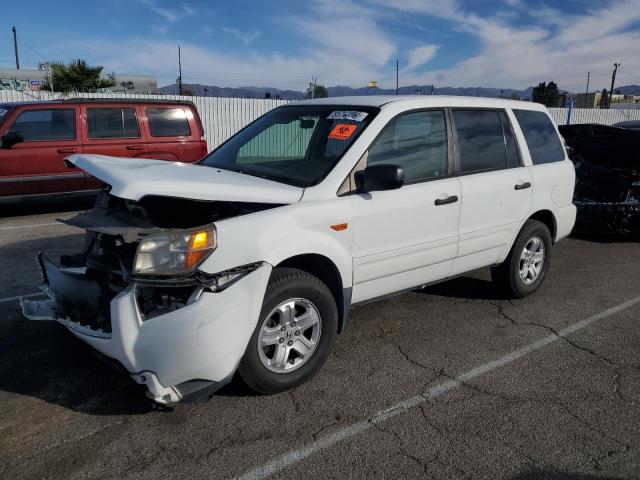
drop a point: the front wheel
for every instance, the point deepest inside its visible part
(527, 264)
(296, 329)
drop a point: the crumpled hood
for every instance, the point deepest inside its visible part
(134, 178)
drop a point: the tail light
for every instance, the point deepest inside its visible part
(203, 148)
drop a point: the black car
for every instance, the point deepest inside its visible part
(607, 162)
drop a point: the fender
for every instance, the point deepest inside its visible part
(268, 236)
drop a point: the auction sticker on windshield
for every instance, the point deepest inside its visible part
(342, 131)
(347, 115)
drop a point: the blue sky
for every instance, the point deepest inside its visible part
(282, 43)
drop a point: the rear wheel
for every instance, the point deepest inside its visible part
(526, 266)
(297, 327)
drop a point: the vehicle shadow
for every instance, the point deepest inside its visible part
(44, 361)
(465, 287)
(42, 206)
(539, 474)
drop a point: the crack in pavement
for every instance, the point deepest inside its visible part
(611, 364)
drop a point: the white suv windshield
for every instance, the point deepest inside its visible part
(296, 145)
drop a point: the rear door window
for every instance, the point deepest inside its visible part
(417, 142)
(541, 136)
(168, 122)
(46, 124)
(112, 123)
(481, 140)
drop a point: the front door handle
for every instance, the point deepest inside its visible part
(67, 150)
(134, 147)
(522, 186)
(446, 201)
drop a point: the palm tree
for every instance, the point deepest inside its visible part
(76, 76)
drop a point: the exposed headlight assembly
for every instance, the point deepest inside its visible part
(174, 253)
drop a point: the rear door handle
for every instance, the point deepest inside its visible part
(134, 147)
(67, 150)
(446, 201)
(522, 186)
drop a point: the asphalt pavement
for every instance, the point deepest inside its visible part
(453, 381)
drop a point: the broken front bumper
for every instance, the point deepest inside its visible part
(177, 355)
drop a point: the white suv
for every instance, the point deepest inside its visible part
(250, 260)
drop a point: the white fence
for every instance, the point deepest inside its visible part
(222, 117)
(594, 115)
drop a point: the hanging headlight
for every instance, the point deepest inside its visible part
(174, 253)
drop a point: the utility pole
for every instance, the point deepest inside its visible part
(586, 93)
(396, 76)
(312, 87)
(613, 81)
(15, 47)
(179, 72)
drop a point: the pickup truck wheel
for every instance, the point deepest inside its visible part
(527, 264)
(296, 329)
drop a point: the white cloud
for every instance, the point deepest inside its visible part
(348, 43)
(421, 55)
(519, 57)
(172, 15)
(245, 37)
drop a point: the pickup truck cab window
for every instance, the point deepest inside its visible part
(417, 142)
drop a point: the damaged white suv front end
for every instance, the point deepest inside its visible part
(140, 292)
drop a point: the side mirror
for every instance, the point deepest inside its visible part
(11, 138)
(379, 177)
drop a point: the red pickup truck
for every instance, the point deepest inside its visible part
(37, 136)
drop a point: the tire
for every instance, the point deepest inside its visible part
(508, 275)
(291, 295)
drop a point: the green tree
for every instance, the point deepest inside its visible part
(76, 76)
(318, 91)
(546, 93)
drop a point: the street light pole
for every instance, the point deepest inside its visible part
(586, 93)
(15, 47)
(613, 81)
(179, 72)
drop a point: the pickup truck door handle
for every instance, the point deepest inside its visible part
(134, 147)
(446, 201)
(522, 186)
(67, 150)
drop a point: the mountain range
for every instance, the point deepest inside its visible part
(342, 91)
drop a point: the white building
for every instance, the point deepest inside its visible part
(26, 80)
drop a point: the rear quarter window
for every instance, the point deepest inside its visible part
(541, 136)
(168, 122)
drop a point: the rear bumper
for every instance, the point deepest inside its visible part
(179, 354)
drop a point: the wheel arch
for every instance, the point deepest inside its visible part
(549, 219)
(326, 270)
